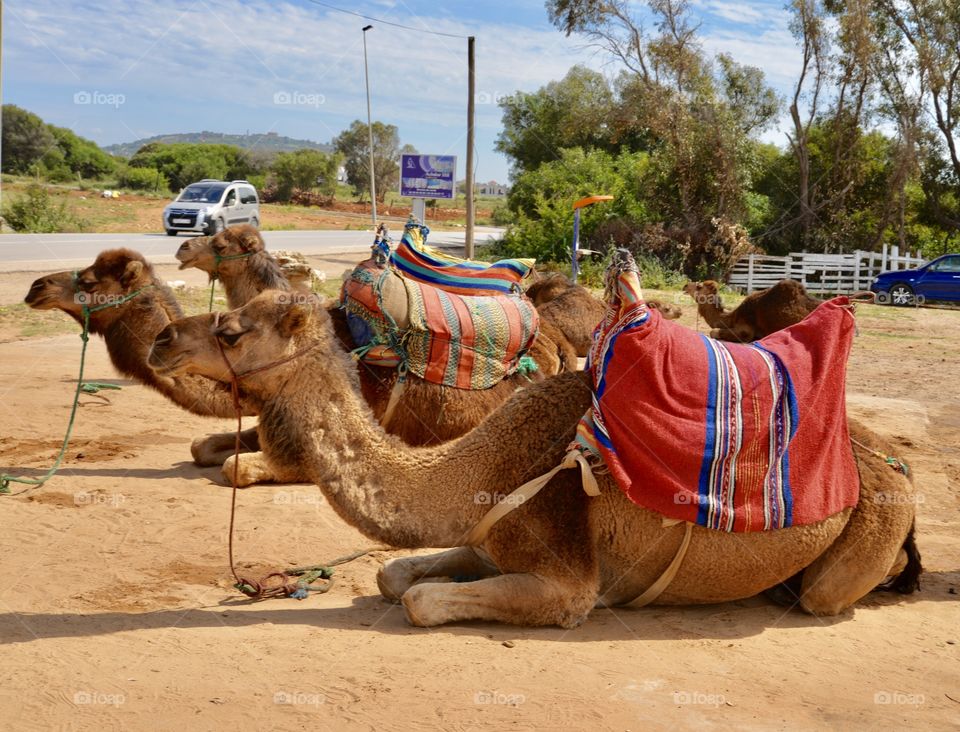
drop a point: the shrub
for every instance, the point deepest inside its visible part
(36, 212)
(142, 179)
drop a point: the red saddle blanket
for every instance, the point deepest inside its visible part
(736, 437)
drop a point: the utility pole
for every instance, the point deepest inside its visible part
(471, 91)
(373, 182)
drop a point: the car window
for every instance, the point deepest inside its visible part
(231, 198)
(202, 192)
(947, 264)
(248, 195)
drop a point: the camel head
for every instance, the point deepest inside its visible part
(548, 287)
(236, 241)
(55, 292)
(706, 292)
(197, 252)
(273, 326)
(114, 275)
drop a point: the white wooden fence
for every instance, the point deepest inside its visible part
(823, 273)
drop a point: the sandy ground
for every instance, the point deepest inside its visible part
(116, 610)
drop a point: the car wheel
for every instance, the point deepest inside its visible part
(255, 222)
(172, 232)
(901, 295)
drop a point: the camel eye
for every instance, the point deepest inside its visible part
(229, 339)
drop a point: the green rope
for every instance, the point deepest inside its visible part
(213, 286)
(91, 387)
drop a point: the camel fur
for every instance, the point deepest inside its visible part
(760, 314)
(129, 328)
(554, 558)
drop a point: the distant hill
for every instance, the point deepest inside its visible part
(267, 142)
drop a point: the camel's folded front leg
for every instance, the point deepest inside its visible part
(399, 575)
(253, 468)
(520, 599)
(214, 449)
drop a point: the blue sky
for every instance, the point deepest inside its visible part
(123, 71)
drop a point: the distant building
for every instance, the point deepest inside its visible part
(492, 188)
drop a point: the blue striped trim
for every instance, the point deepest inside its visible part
(703, 487)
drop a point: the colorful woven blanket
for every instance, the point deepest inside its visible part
(728, 436)
(464, 342)
(417, 261)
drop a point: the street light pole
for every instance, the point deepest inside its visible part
(366, 76)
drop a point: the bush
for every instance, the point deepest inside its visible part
(142, 179)
(35, 212)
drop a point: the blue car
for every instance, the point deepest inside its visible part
(936, 280)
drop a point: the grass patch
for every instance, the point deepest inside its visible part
(19, 321)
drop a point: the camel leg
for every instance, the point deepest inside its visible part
(253, 468)
(519, 599)
(399, 575)
(214, 449)
(870, 546)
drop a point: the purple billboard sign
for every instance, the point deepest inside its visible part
(428, 176)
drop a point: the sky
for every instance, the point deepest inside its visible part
(119, 72)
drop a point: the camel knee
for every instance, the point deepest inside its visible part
(206, 452)
(394, 579)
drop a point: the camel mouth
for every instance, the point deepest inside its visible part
(40, 299)
(166, 364)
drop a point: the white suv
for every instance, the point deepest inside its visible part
(212, 205)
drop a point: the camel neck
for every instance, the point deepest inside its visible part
(403, 496)
(244, 279)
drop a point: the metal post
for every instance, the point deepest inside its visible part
(574, 269)
(373, 182)
(471, 92)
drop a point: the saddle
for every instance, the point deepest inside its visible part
(416, 260)
(734, 437)
(467, 342)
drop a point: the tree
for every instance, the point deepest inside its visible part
(353, 144)
(301, 170)
(83, 157)
(572, 112)
(25, 139)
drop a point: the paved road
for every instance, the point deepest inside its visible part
(49, 252)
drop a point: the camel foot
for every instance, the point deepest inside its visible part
(214, 449)
(251, 469)
(396, 576)
(518, 599)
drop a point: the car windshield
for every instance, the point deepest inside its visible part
(202, 192)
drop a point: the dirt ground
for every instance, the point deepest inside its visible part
(116, 611)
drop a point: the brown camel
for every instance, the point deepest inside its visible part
(129, 328)
(760, 314)
(559, 555)
(426, 414)
(556, 286)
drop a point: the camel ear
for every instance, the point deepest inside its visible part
(131, 272)
(294, 320)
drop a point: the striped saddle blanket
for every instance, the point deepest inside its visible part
(417, 261)
(444, 338)
(736, 437)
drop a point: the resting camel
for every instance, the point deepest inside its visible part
(555, 285)
(129, 328)
(557, 556)
(760, 314)
(426, 414)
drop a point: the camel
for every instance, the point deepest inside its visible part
(554, 286)
(760, 314)
(426, 414)
(129, 328)
(554, 558)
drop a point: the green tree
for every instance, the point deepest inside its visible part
(25, 139)
(572, 112)
(83, 157)
(301, 171)
(353, 144)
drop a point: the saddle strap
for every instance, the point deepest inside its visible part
(656, 589)
(528, 490)
(395, 393)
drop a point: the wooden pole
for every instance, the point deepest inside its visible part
(471, 94)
